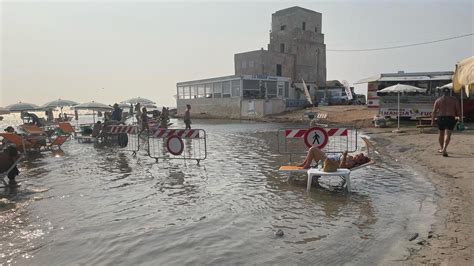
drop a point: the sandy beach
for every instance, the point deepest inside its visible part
(450, 240)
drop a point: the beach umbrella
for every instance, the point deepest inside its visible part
(4, 111)
(20, 107)
(401, 88)
(464, 77)
(58, 103)
(94, 106)
(448, 86)
(140, 100)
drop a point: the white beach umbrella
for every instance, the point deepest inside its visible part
(4, 111)
(95, 106)
(400, 88)
(20, 107)
(59, 103)
(140, 100)
(448, 86)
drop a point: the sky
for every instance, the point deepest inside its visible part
(109, 51)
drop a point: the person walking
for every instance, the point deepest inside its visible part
(445, 108)
(187, 117)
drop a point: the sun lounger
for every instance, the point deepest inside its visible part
(33, 130)
(20, 142)
(57, 142)
(66, 128)
(311, 172)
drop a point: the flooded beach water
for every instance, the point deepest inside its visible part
(96, 205)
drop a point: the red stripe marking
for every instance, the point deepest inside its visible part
(300, 133)
(332, 131)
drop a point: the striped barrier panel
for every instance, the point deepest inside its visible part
(292, 140)
(119, 129)
(299, 133)
(182, 133)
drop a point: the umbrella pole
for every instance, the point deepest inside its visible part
(398, 113)
(462, 109)
(93, 116)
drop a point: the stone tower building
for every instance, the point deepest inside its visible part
(296, 49)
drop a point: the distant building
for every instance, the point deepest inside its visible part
(296, 49)
(266, 81)
(427, 80)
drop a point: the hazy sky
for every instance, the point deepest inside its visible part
(108, 51)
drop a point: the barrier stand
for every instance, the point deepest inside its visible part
(127, 137)
(185, 144)
(291, 141)
(296, 141)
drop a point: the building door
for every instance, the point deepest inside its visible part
(268, 107)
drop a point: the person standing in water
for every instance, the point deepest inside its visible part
(445, 108)
(187, 117)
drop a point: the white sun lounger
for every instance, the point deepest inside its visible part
(344, 173)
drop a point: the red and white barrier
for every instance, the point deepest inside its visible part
(118, 129)
(182, 133)
(299, 133)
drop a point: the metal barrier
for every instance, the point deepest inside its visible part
(127, 137)
(292, 140)
(187, 144)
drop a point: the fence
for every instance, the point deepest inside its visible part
(292, 140)
(186, 144)
(125, 136)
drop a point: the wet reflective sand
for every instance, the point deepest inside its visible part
(96, 205)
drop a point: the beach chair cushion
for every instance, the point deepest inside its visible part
(32, 129)
(66, 127)
(17, 140)
(58, 141)
(292, 168)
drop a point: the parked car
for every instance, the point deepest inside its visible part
(360, 99)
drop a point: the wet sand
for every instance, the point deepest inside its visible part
(450, 240)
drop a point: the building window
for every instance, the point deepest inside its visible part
(226, 89)
(278, 70)
(251, 64)
(201, 91)
(282, 47)
(282, 27)
(271, 89)
(194, 92)
(287, 89)
(280, 89)
(217, 90)
(244, 64)
(208, 88)
(304, 25)
(235, 88)
(315, 29)
(251, 89)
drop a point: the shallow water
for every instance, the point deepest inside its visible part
(104, 206)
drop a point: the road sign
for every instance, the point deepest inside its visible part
(175, 145)
(316, 137)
